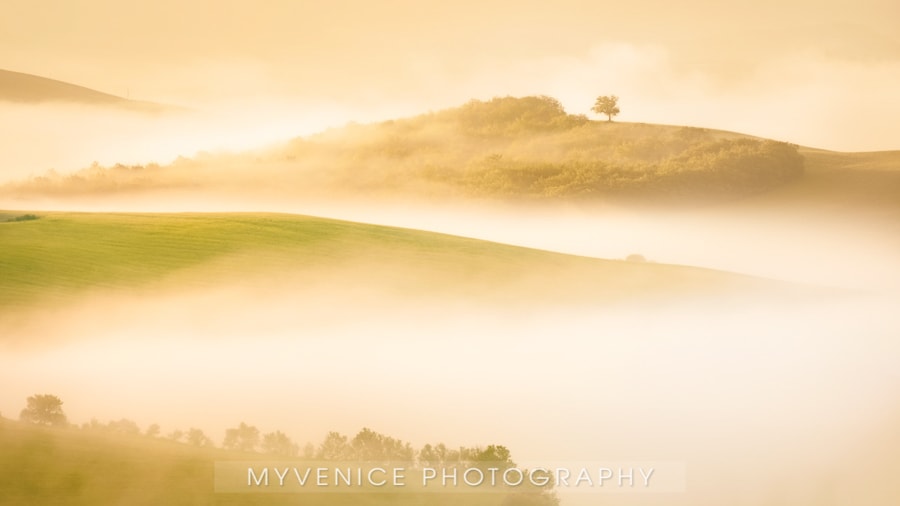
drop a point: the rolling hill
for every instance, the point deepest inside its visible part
(61, 257)
(41, 465)
(67, 466)
(512, 150)
(507, 149)
(849, 181)
(24, 88)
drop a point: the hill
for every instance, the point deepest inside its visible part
(72, 466)
(60, 257)
(19, 87)
(834, 180)
(68, 466)
(531, 149)
(512, 149)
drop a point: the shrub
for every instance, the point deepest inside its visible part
(24, 217)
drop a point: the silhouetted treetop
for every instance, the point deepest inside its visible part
(243, 438)
(512, 115)
(44, 409)
(607, 105)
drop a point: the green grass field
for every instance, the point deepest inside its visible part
(62, 256)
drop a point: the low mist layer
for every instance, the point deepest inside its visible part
(760, 394)
(732, 310)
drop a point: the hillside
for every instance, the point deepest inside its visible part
(68, 466)
(72, 466)
(506, 149)
(529, 149)
(19, 87)
(60, 257)
(834, 180)
(512, 150)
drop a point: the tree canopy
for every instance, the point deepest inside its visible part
(44, 409)
(608, 105)
(244, 438)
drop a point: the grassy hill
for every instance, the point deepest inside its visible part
(531, 149)
(513, 149)
(868, 180)
(516, 150)
(71, 466)
(27, 88)
(68, 466)
(60, 257)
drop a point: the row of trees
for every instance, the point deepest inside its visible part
(367, 445)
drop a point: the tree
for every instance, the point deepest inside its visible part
(497, 455)
(244, 438)
(334, 447)
(153, 430)
(510, 116)
(607, 105)
(196, 437)
(278, 443)
(370, 446)
(44, 410)
(124, 426)
(309, 451)
(438, 455)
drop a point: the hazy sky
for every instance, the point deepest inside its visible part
(811, 72)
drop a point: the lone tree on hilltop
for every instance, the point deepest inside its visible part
(44, 409)
(607, 105)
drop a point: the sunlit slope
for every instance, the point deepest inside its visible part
(853, 181)
(510, 149)
(58, 466)
(27, 88)
(515, 150)
(83, 467)
(61, 256)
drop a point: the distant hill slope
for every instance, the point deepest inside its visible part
(516, 150)
(512, 149)
(27, 88)
(530, 149)
(846, 180)
(60, 257)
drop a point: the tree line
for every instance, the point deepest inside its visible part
(367, 445)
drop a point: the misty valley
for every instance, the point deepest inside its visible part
(705, 307)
